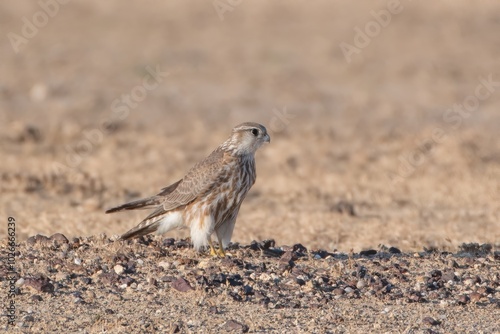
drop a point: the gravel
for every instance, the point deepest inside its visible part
(152, 285)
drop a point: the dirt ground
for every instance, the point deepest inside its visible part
(384, 123)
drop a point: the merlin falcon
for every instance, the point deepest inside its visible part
(209, 197)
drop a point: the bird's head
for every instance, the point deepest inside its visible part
(246, 138)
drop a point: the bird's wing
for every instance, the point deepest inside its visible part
(198, 181)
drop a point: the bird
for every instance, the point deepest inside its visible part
(208, 198)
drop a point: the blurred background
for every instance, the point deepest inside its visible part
(383, 115)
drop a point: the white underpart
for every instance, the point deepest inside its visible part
(172, 220)
(201, 230)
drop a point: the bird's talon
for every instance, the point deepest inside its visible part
(221, 252)
(213, 252)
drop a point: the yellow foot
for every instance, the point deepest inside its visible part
(216, 253)
(213, 252)
(221, 252)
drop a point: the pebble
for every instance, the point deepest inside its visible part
(181, 285)
(118, 269)
(265, 277)
(165, 265)
(463, 299)
(37, 298)
(28, 318)
(430, 321)
(475, 297)
(61, 276)
(233, 325)
(78, 261)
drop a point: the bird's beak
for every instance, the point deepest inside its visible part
(267, 139)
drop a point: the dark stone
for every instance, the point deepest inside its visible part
(368, 252)
(59, 239)
(436, 274)
(430, 321)
(248, 290)
(37, 298)
(181, 285)
(40, 283)
(300, 281)
(169, 242)
(235, 280)
(299, 248)
(463, 299)
(394, 250)
(266, 244)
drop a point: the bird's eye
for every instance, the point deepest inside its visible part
(255, 132)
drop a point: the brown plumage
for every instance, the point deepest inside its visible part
(209, 197)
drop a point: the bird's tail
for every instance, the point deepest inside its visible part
(146, 227)
(145, 203)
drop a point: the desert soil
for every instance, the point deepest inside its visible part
(394, 146)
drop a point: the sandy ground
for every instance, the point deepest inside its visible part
(388, 137)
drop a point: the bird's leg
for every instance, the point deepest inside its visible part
(221, 252)
(213, 252)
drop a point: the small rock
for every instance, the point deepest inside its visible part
(78, 300)
(181, 285)
(36, 298)
(20, 282)
(360, 285)
(59, 239)
(430, 321)
(118, 269)
(475, 297)
(248, 290)
(37, 239)
(299, 248)
(61, 276)
(448, 275)
(78, 261)
(165, 265)
(40, 283)
(368, 252)
(28, 318)
(233, 325)
(463, 299)
(394, 250)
